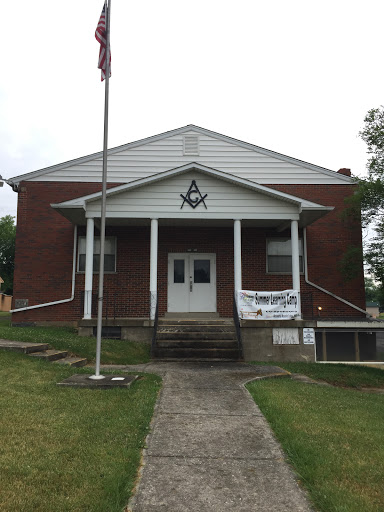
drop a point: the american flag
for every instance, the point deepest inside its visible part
(100, 35)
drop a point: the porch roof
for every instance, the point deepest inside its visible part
(159, 196)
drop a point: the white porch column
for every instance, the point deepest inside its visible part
(295, 260)
(237, 254)
(153, 267)
(89, 268)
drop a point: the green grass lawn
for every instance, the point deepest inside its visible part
(332, 436)
(344, 375)
(68, 449)
(66, 338)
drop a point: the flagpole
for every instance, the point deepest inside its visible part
(97, 375)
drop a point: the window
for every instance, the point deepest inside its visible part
(178, 271)
(279, 255)
(202, 271)
(109, 254)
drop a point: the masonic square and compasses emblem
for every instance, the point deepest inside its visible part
(193, 197)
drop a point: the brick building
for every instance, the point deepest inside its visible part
(192, 215)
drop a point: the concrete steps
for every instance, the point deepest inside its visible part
(196, 340)
(23, 346)
(50, 354)
(195, 335)
(75, 362)
(42, 351)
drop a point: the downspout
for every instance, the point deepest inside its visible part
(323, 289)
(73, 282)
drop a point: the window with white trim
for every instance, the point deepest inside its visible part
(279, 256)
(109, 254)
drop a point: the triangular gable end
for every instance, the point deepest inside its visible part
(167, 150)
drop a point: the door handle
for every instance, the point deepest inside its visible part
(190, 286)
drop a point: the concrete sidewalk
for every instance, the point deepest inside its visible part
(210, 448)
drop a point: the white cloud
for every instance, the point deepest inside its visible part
(294, 77)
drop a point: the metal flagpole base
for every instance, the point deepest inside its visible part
(97, 377)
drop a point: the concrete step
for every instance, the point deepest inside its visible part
(72, 361)
(199, 359)
(194, 328)
(50, 355)
(192, 316)
(182, 335)
(22, 346)
(205, 344)
(196, 353)
(223, 321)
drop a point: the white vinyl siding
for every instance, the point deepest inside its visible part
(109, 254)
(129, 164)
(223, 200)
(279, 256)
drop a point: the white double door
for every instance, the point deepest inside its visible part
(191, 282)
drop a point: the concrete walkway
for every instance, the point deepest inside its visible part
(210, 448)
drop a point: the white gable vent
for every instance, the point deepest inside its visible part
(191, 144)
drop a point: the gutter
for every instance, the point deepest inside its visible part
(323, 289)
(73, 282)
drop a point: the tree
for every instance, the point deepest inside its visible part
(369, 198)
(7, 252)
(372, 291)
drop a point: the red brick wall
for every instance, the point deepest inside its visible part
(44, 245)
(328, 239)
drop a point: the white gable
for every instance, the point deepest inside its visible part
(221, 200)
(167, 151)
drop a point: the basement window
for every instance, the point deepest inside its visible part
(279, 256)
(109, 254)
(111, 332)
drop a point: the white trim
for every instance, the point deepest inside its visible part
(196, 215)
(363, 325)
(295, 255)
(237, 255)
(153, 267)
(88, 281)
(296, 262)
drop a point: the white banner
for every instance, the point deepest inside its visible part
(268, 305)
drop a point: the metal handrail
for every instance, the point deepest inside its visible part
(236, 321)
(155, 324)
